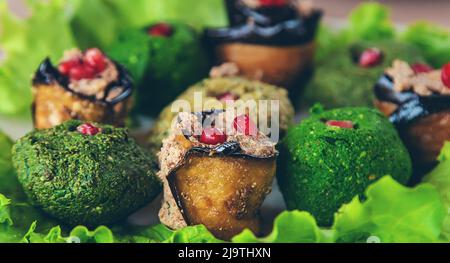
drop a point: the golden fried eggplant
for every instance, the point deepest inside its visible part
(85, 86)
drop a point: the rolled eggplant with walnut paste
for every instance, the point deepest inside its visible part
(272, 41)
(216, 179)
(416, 98)
(85, 86)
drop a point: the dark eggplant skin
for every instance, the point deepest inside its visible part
(410, 105)
(48, 74)
(276, 26)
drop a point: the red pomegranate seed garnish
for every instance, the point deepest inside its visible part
(271, 3)
(88, 129)
(370, 57)
(445, 75)
(77, 72)
(65, 66)
(243, 124)
(227, 96)
(340, 124)
(89, 72)
(212, 136)
(421, 68)
(160, 30)
(92, 63)
(94, 57)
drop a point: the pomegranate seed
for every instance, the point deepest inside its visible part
(445, 75)
(421, 68)
(94, 57)
(77, 72)
(370, 58)
(340, 124)
(227, 96)
(160, 30)
(212, 136)
(65, 66)
(88, 129)
(89, 72)
(243, 124)
(271, 3)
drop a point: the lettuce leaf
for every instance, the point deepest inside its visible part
(289, 227)
(9, 183)
(432, 39)
(390, 213)
(367, 22)
(440, 178)
(371, 22)
(25, 44)
(22, 223)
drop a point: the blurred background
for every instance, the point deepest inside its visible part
(403, 11)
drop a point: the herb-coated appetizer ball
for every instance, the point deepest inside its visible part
(416, 98)
(333, 156)
(83, 173)
(217, 178)
(164, 58)
(215, 92)
(86, 86)
(347, 77)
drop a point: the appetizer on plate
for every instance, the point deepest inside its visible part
(333, 156)
(214, 176)
(85, 173)
(164, 58)
(85, 86)
(214, 94)
(272, 41)
(346, 77)
(416, 98)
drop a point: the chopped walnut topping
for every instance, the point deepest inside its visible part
(424, 84)
(304, 7)
(228, 69)
(251, 3)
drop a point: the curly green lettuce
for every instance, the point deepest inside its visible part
(22, 223)
(433, 40)
(391, 213)
(367, 22)
(440, 178)
(25, 43)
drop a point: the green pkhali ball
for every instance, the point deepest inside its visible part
(85, 179)
(162, 66)
(339, 81)
(333, 156)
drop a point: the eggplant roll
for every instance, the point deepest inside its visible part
(272, 43)
(418, 103)
(216, 179)
(85, 86)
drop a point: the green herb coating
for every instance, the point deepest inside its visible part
(83, 179)
(324, 167)
(161, 65)
(340, 82)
